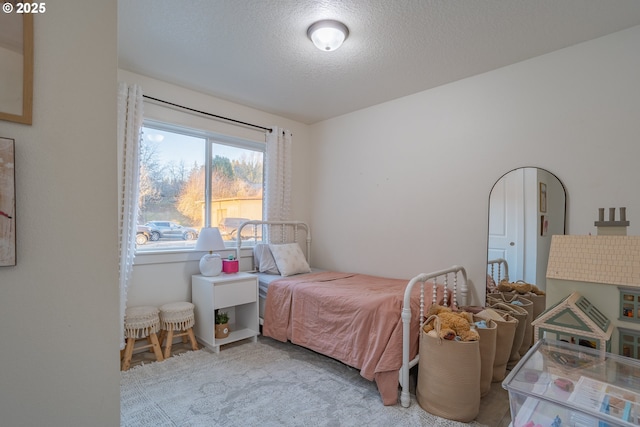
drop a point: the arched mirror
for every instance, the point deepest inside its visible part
(526, 207)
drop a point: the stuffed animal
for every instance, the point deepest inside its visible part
(454, 325)
(519, 286)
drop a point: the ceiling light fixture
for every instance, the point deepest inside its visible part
(328, 34)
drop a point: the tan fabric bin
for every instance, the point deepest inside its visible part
(448, 376)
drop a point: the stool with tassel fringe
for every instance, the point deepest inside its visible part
(177, 317)
(141, 322)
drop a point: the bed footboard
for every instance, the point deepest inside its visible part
(453, 278)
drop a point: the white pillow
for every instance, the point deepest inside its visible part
(264, 259)
(289, 259)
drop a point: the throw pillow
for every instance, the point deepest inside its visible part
(289, 259)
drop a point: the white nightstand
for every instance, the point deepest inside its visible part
(236, 292)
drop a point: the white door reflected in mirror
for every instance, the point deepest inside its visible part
(526, 207)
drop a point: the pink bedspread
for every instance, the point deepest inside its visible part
(353, 318)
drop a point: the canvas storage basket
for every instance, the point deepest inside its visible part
(488, 337)
(535, 295)
(518, 340)
(539, 301)
(448, 376)
(505, 331)
(519, 301)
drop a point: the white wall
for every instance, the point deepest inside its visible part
(158, 279)
(403, 187)
(59, 305)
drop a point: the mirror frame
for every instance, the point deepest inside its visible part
(564, 225)
(27, 73)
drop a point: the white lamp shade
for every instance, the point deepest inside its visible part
(210, 240)
(328, 35)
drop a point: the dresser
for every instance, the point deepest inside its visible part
(236, 294)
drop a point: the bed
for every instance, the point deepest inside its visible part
(368, 322)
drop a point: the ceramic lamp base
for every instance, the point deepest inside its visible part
(210, 265)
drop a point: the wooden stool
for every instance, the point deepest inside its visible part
(141, 322)
(177, 316)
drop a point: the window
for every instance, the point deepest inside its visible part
(176, 197)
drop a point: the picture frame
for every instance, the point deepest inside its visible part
(16, 65)
(544, 225)
(7, 203)
(543, 197)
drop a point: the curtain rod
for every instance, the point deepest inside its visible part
(207, 114)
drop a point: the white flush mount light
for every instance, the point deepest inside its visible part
(328, 34)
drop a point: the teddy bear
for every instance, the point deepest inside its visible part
(453, 324)
(519, 286)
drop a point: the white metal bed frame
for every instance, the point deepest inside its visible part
(287, 232)
(500, 267)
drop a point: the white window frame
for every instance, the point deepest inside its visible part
(189, 254)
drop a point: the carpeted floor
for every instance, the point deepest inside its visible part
(259, 384)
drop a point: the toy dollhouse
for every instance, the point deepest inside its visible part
(604, 269)
(575, 320)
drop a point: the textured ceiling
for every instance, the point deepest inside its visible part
(256, 52)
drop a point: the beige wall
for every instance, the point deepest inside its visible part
(59, 305)
(403, 187)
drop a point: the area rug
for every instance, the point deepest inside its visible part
(266, 383)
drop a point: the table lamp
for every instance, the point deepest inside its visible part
(210, 240)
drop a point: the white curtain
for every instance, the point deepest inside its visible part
(277, 199)
(129, 124)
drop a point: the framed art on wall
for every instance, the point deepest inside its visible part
(544, 225)
(543, 197)
(7, 203)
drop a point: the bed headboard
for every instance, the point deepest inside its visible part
(453, 278)
(498, 269)
(256, 231)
